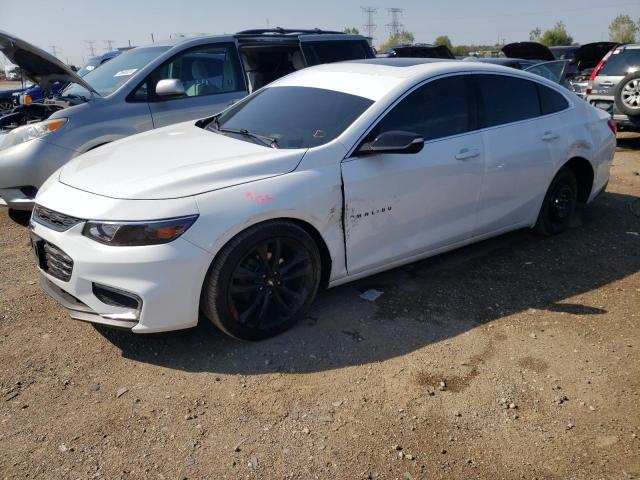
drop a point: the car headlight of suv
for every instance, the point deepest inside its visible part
(30, 132)
(132, 234)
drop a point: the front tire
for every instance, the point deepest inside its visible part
(559, 204)
(262, 281)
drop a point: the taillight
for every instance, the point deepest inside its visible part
(601, 64)
(612, 125)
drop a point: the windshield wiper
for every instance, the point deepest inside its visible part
(268, 141)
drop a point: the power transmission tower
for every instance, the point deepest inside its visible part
(92, 49)
(369, 26)
(54, 50)
(109, 44)
(395, 27)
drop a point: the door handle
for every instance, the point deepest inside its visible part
(606, 84)
(467, 154)
(549, 136)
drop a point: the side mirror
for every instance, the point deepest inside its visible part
(393, 141)
(169, 87)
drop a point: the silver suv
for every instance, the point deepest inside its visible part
(144, 88)
(614, 86)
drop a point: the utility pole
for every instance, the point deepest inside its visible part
(54, 50)
(369, 26)
(109, 44)
(152, 39)
(92, 49)
(395, 27)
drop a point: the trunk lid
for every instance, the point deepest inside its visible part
(590, 54)
(528, 51)
(38, 65)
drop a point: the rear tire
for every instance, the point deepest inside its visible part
(627, 95)
(559, 204)
(262, 281)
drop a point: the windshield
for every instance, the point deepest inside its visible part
(111, 75)
(295, 117)
(549, 70)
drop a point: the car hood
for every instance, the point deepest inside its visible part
(589, 54)
(38, 65)
(173, 162)
(528, 51)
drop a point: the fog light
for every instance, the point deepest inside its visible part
(116, 297)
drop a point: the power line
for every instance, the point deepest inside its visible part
(395, 27)
(109, 44)
(91, 47)
(369, 26)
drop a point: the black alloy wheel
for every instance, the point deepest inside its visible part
(262, 281)
(559, 204)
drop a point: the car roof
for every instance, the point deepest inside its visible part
(375, 78)
(263, 34)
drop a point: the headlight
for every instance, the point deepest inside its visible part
(32, 131)
(131, 234)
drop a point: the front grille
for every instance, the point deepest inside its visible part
(54, 220)
(52, 260)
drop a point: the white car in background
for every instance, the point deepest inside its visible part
(327, 175)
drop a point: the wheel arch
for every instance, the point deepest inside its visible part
(326, 260)
(585, 175)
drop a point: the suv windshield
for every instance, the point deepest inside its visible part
(91, 65)
(294, 117)
(106, 79)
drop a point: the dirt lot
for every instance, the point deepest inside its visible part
(536, 341)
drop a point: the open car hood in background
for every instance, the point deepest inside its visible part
(38, 65)
(528, 51)
(589, 54)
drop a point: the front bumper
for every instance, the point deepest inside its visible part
(25, 167)
(166, 278)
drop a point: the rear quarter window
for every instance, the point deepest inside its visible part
(551, 101)
(505, 99)
(622, 63)
(335, 51)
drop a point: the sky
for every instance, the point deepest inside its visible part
(69, 24)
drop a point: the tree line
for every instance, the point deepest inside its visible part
(622, 29)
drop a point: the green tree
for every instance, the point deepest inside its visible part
(535, 35)
(460, 51)
(397, 39)
(557, 35)
(623, 30)
(351, 30)
(444, 40)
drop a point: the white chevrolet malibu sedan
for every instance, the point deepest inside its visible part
(325, 176)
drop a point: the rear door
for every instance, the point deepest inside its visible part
(518, 159)
(212, 78)
(329, 48)
(401, 205)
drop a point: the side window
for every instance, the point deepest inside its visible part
(440, 108)
(551, 101)
(205, 70)
(335, 51)
(506, 99)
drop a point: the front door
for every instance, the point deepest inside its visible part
(402, 205)
(212, 80)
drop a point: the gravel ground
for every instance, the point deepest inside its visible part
(514, 358)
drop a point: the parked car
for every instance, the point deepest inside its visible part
(582, 60)
(38, 94)
(145, 88)
(6, 97)
(417, 50)
(328, 175)
(614, 86)
(95, 62)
